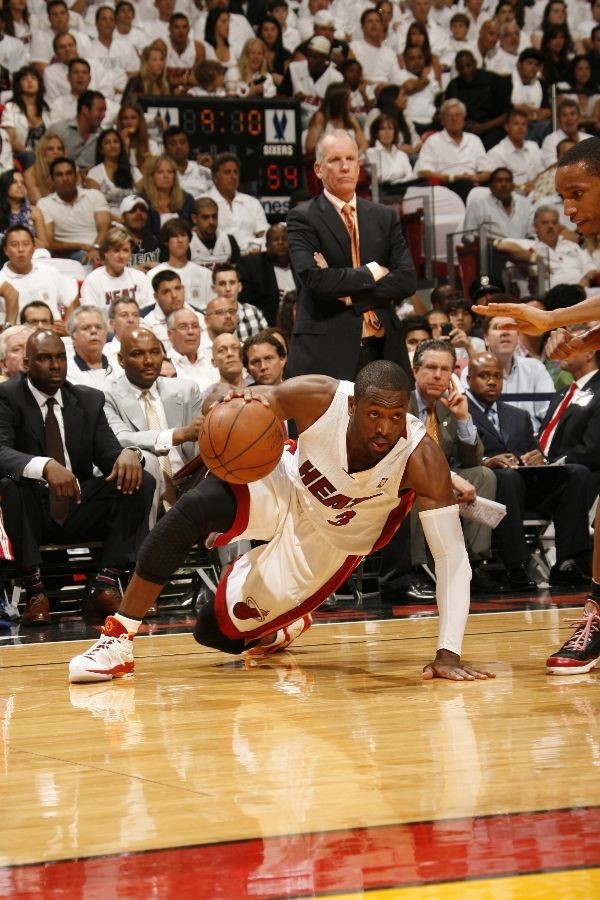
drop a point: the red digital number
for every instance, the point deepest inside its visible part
(273, 177)
(290, 177)
(207, 120)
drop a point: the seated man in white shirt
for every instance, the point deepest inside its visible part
(76, 219)
(112, 52)
(79, 76)
(529, 93)
(123, 316)
(567, 262)
(421, 89)
(169, 294)
(38, 314)
(210, 244)
(31, 278)
(569, 120)
(175, 237)
(306, 80)
(89, 364)
(193, 178)
(453, 156)
(60, 21)
(522, 157)
(188, 353)
(380, 64)
(116, 279)
(522, 374)
(239, 214)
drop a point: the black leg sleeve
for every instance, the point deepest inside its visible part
(211, 506)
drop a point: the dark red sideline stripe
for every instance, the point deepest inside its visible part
(335, 861)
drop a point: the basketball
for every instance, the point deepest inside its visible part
(241, 441)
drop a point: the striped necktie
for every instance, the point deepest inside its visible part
(432, 427)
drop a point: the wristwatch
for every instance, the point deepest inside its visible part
(140, 455)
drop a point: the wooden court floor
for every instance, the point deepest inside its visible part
(332, 770)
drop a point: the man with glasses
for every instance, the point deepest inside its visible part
(227, 285)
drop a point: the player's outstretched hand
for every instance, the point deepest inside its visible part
(529, 319)
(562, 344)
(448, 665)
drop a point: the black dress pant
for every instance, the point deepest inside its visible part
(563, 493)
(104, 514)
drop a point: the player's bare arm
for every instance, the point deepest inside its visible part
(304, 398)
(537, 321)
(427, 472)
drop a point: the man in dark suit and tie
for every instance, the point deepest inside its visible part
(364, 267)
(52, 434)
(525, 482)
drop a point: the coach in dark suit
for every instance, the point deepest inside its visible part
(52, 434)
(526, 483)
(340, 303)
(258, 273)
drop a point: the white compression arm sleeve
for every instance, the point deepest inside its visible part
(452, 571)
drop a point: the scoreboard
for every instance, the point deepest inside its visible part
(264, 134)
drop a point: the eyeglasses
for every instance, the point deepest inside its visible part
(222, 312)
(190, 326)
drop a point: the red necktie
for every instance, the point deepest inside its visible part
(558, 413)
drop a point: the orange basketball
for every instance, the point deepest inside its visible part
(241, 441)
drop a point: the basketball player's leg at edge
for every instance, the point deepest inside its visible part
(581, 652)
(210, 507)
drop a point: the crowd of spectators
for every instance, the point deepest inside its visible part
(125, 242)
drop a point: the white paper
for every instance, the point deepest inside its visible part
(488, 512)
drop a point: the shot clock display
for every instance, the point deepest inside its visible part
(264, 134)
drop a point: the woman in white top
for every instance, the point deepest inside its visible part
(17, 20)
(216, 38)
(383, 156)
(26, 116)
(251, 78)
(116, 279)
(334, 113)
(132, 127)
(113, 174)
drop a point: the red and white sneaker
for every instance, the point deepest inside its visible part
(582, 651)
(283, 638)
(110, 657)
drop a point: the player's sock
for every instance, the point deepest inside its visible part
(131, 624)
(32, 581)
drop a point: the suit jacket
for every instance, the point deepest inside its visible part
(181, 401)
(457, 452)
(515, 424)
(259, 284)
(577, 434)
(88, 437)
(327, 333)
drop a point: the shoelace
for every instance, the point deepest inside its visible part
(587, 624)
(106, 643)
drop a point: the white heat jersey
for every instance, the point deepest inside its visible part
(349, 509)
(318, 522)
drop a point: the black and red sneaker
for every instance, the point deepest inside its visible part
(582, 651)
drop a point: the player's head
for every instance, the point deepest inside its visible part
(485, 377)
(578, 183)
(377, 411)
(141, 357)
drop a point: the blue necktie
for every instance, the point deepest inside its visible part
(493, 417)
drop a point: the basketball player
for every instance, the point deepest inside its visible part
(337, 496)
(578, 183)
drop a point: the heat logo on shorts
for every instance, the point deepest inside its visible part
(249, 609)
